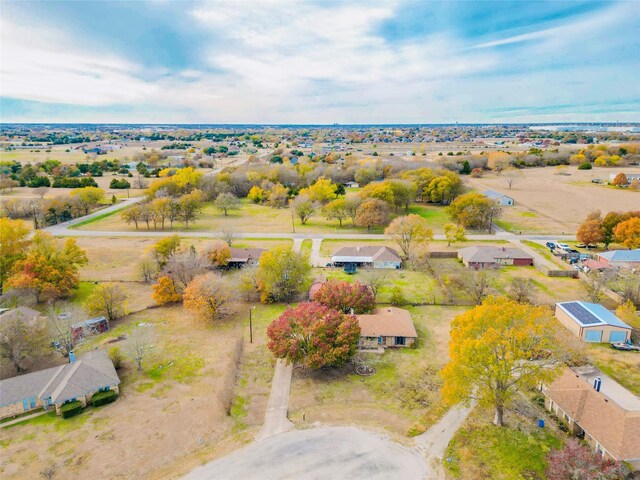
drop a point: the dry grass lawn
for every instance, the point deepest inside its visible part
(260, 219)
(168, 418)
(117, 258)
(549, 203)
(401, 398)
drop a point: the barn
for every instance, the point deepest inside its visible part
(592, 322)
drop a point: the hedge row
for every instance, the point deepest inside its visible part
(71, 409)
(102, 398)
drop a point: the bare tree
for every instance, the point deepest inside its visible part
(375, 279)
(140, 182)
(521, 290)
(148, 268)
(138, 345)
(61, 319)
(477, 285)
(184, 267)
(249, 283)
(229, 235)
(22, 344)
(511, 175)
(40, 191)
(596, 284)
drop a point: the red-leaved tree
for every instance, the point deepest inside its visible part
(314, 335)
(343, 296)
(580, 462)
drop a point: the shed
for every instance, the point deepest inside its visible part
(92, 326)
(592, 322)
(501, 198)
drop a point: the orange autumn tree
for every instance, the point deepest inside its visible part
(49, 270)
(210, 298)
(590, 232)
(497, 349)
(628, 233)
(165, 291)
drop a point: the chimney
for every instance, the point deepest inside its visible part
(72, 357)
(597, 384)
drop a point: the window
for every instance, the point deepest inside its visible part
(380, 340)
(400, 341)
(32, 400)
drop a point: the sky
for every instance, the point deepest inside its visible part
(319, 62)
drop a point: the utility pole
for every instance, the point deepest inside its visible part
(250, 325)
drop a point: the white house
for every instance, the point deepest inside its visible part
(501, 198)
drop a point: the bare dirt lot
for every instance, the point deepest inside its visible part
(546, 202)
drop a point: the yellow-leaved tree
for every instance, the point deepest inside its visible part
(497, 349)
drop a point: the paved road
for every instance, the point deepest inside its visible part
(334, 453)
(62, 229)
(275, 419)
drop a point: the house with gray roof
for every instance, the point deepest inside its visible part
(501, 198)
(490, 257)
(621, 258)
(31, 318)
(78, 380)
(368, 256)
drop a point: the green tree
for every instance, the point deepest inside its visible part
(303, 207)
(227, 202)
(454, 233)
(108, 299)
(88, 197)
(407, 231)
(336, 210)
(281, 274)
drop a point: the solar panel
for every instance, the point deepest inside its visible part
(582, 314)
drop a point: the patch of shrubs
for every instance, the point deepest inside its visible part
(115, 183)
(68, 182)
(585, 166)
(102, 398)
(71, 409)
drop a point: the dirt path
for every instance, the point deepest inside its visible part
(276, 420)
(433, 443)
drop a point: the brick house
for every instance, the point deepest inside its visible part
(79, 380)
(386, 327)
(490, 257)
(598, 409)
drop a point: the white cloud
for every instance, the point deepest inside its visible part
(300, 62)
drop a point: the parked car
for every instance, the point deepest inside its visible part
(563, 246)
(551, 245)
(626, 347)
(581, 245)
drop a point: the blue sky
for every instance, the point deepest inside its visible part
(319, 61)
